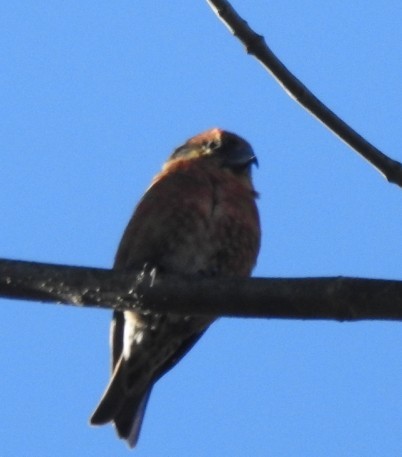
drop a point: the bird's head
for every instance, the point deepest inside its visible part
(220, 148)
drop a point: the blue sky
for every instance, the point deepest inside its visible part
(93, 97)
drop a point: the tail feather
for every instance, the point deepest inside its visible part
(112, 399)
(129, 419)
(125, 410)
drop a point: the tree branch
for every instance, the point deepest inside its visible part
(339, 298)
(256, 46)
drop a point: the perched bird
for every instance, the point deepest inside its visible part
(198, 217)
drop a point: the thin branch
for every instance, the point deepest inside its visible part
(340, 298)
(256, 46)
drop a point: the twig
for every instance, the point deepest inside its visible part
(256, 46)
(340, 298)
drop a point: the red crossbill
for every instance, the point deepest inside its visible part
(198, 217)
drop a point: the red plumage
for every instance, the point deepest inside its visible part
(197, 217)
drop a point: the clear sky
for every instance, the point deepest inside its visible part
(93, 97)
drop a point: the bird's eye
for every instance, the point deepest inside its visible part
(212, 145)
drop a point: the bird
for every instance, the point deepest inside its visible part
(198, 217)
